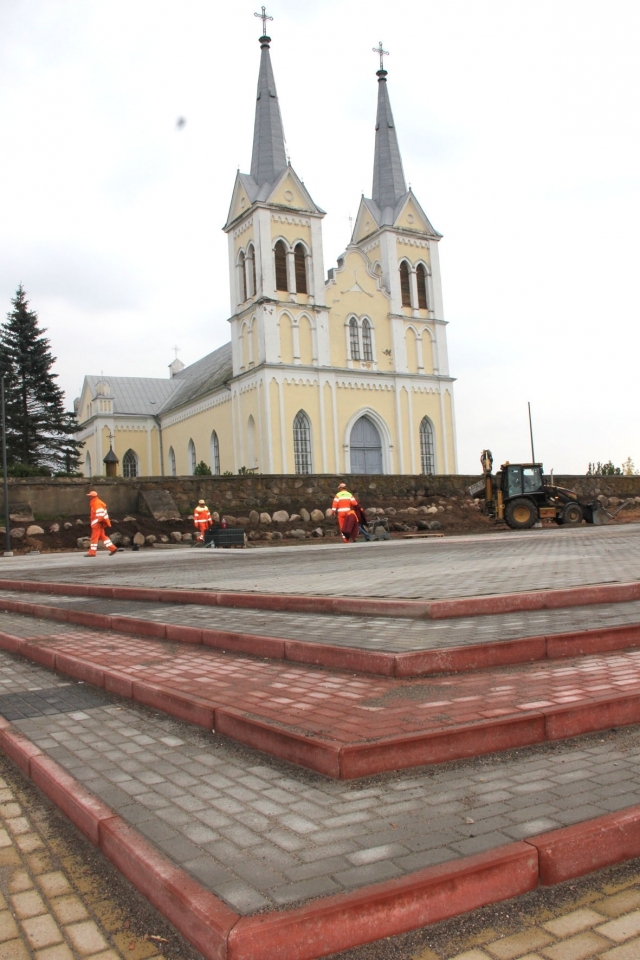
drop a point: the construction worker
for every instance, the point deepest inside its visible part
(201, 519)
(343, 507)
(99, 523)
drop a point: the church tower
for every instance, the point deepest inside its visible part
(278, 312)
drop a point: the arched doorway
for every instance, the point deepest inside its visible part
(365, 447)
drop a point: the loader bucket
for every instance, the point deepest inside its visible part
(600, 517)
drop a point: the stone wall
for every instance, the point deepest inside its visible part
(59, 497)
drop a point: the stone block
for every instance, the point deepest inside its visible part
(265, 518)
(159, 504)
(21, 512)
(280, 516)
(305, 516)
(254, 518)
(317, 516)
(54, 528)
(175, 536)
(34, 530)
(17, 533)
(138, 539)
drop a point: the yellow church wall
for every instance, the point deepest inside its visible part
(428, 404)
(345, 299)
(291, 232)
(243, 241)
(252, 454)
(350, 401)
(306, 346)
(427, 351)
(276, 435)
(330, 440)
(448, 412)
(288, 194)
(407, 439)
(286, 338)
(412, 350)
(199, 428)
(302, 396)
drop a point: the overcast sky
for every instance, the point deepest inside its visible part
(518, 126)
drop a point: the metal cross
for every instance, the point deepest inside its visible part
(176, 351)
(379, 50)
(111, 437)
(264, 16)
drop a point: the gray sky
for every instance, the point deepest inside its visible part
(518, 125)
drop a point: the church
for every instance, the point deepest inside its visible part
(346, 373)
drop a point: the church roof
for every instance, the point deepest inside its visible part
(149, 396)
(269, 158)
(388, 176)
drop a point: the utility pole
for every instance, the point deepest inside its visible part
(8, 552)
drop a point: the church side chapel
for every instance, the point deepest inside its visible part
(344, 375)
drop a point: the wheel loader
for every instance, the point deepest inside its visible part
(520, 495)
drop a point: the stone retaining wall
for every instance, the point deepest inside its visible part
(60, 497)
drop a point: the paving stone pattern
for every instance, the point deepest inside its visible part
(261, 833)
(426, 569)
(395, 635)
(340, 706)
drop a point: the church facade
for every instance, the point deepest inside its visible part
(344, 374)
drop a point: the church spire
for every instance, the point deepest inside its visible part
(269, 158)
(388, 176)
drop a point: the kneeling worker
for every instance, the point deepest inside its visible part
(201, 519)
(343, 507)
(99, 523)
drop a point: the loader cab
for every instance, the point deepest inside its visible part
(521, 480)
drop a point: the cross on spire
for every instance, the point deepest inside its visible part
(264, 16)
(176, 350)
(379, 50)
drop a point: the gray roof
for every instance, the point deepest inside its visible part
(388, 176)
(269, 158)
(149, 396)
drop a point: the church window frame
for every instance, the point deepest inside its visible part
(367, 340)
(192, 458)
(87, 465)
(130, 464)
(280, 264)
(173, 469)
(354, 339)
(215, 454)
(242, 277)
(423, 286)
(405, 283)
(302, 446)
(427, 447)
(251, 257)
(300, 268)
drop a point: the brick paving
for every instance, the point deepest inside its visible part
(427, 569)
(50, 909)
(337, 705)
(395, 635)
(260, 833)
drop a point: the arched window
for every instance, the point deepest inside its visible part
(251, 257)
(302, 442)
(280, 253)
(215, 454)
(87, 465)
(405, 284)
(242, 278)
(354, 339)
(300, 260)
(421, 277)
(427, 458)
(172, 462)
(191, 457)
(130, 464)
(367, 345)
(252, 461)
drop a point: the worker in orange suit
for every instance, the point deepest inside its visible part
(201, 519)
(343, 508)
(99, 523)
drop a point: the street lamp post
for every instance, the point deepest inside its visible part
(8, 552)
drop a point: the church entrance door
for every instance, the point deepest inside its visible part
(366, 447)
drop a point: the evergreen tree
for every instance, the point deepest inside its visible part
(40, 432)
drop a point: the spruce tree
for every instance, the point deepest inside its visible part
(40, 432)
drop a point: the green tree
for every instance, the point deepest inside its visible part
(604, 470)
(629, 468)
(202, 470)
(40, 432)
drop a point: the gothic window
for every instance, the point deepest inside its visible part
(427, 458)
(367, 345)
(251, 257)
(302, 442)
(405, 284)
(172, 462)
(300, 260)
(87, 465)
(280, 253)
(242, 278)
(421, 277)
(354, 339)
(130, 464)
(215, 454)
(191, 457)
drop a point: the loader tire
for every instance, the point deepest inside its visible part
(521, 514)
(572, 515)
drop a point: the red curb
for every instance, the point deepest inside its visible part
(199, 596)
(119, 683)
(44, 655)
(182, 634)
(190, 708)
(253, 644)
(143, 628)
(79, 669)
(134, 593)
(10, 643)
(19, 748)
(573, 720)
(340, 658)
(204, 919)
(320, 755)
(584, 847)
(454, 743)
(476, 656)
(535, 600)
(76, 802)
(83, 618)
(592, 641)
(339, 923)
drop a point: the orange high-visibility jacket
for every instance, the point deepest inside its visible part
(99, 513)
(202, 517)
(343, 503)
